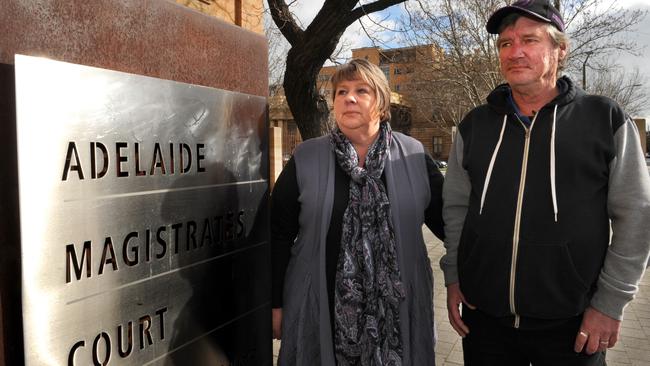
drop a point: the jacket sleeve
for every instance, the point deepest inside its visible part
(455, 196)
(433, 212)
(285, 210)
(628, 204)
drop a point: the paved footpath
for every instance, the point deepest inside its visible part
(632, 349)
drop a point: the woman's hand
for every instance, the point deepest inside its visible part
(277, 322)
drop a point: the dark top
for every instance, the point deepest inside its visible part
(285, 210)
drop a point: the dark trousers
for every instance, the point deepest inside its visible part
(492, 343)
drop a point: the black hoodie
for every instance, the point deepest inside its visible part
(543, 196)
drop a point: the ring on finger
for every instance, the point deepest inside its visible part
(584, 334)
(604, 342)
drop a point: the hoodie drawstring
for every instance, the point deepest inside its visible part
(553, 191)
(494, 157)
(552, 164)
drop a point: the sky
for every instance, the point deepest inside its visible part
(355, 37)
(642, 38)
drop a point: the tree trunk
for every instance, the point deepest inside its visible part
(309, 109)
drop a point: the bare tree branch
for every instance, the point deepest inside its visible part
(628, 89)
(285, 21)
(376, 6)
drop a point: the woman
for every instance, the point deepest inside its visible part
(352, 282)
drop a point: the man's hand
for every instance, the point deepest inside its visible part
(597, 332)
(276, 315)
(454, 299)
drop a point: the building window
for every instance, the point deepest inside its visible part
(386, 71)
(437, 145)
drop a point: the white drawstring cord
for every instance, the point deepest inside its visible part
(494, 157)
(553, 191)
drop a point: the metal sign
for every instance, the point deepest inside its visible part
(143, 225)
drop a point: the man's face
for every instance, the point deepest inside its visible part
(527, 54)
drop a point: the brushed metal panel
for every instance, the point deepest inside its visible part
(121, 228)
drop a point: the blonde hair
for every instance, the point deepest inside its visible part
(360, 69)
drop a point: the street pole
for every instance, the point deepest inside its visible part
(584, 72)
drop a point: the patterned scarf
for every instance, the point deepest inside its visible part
(368, 289)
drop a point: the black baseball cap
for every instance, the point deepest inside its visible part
(541, 10)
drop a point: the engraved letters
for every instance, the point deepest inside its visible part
(150, 329)
(141, 246)
(133, 159)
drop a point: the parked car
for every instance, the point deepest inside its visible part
(440, 164)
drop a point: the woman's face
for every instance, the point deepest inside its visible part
(355, 106)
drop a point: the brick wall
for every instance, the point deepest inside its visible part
(426, 136)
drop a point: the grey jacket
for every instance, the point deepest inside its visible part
(306, 333)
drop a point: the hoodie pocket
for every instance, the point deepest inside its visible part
(483, 272)
(548, 285)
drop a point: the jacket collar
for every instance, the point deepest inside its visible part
(498, 99)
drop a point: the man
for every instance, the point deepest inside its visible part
(534, 178)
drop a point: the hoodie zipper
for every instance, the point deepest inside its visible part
(515, 236)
